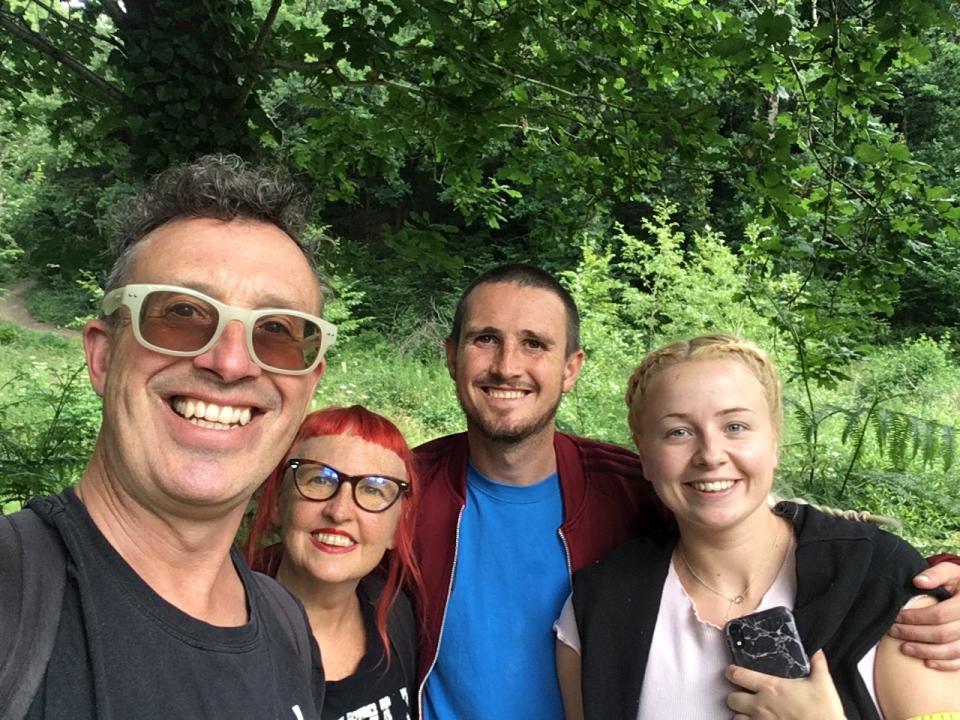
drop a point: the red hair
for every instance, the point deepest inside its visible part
(399, 568)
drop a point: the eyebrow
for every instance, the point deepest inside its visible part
(545, 339)
(268, 301)
(727, 411)
(524, 333)
(486, 330)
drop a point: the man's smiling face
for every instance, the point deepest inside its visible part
(155, 445)
(510, 363)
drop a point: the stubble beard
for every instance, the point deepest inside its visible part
(505, 434)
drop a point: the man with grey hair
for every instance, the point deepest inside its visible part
(206, 356)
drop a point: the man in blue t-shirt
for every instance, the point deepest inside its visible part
(511, 573)
(512, 507)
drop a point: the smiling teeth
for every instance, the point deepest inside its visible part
(210, 415)
(506, 394)
(715, 486)
(332, 539)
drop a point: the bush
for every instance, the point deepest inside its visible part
(9, 333)
(61, 301)
(11, 256)
(49, 424)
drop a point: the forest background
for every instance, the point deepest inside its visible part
(785, 170)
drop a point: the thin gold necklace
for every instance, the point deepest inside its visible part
(736, 599)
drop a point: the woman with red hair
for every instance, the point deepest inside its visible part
(342, 504)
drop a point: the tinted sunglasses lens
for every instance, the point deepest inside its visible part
(177, 321)
(376, 493)
(317, 482)
(286, 341)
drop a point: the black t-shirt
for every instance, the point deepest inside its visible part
(375, 691)
(123, 653)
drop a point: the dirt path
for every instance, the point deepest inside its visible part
(13, 308)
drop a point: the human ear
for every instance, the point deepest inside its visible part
(316, 376)
(571, 369)
(636, 441)
(450, 348)
(96, 348)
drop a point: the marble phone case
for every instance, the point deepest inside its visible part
(768, 642)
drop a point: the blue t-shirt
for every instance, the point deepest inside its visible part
(496, 656)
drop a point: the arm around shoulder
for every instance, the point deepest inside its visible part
(907, 688)
(932, 631)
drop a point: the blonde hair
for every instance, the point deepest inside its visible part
(704, 347)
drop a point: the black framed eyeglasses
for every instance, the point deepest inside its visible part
(318, 481)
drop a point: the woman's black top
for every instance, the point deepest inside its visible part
(378, 690)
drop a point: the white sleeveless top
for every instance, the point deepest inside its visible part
(684, 674)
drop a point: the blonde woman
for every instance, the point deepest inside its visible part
(642, 636)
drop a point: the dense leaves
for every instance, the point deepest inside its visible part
(784, 169)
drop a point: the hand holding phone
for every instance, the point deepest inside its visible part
(768, 642)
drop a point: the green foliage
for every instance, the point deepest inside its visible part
(546, 120)
(813, 149)
(9, 333)
(144, 83)
(445, 134)
(886, 441)
(417, 395)
(49, 423)
(883, 424)
(67, 303)
(51, 208)
(931, 109)
(11, 255)
(637, 292)
(26, 346)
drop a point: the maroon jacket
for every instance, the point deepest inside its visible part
(605, 502)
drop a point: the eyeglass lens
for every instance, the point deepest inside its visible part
(184, 323)
(371, 492)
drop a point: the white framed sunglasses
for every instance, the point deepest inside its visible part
(182, 322)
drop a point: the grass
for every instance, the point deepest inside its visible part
(60, 302)
(416, 394)
(22, 348)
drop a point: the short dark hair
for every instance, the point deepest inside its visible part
(525, 276)
(221, 187)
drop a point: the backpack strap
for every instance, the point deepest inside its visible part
(292, 617)
(32, 578)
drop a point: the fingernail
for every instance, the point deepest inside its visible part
(908, 648)
(894, 630)
(922, 577)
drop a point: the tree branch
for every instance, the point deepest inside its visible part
(80, 27)
(11, 24)
(255, 64)
(114, 11)
(316, 68)
(301, 66)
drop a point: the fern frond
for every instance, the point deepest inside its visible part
(804, 421)
(899, 434)
(930, 444)
(852, 427)
(881, 425)
(948, 447)
(916, 435)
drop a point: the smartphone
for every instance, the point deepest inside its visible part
(768, 642)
